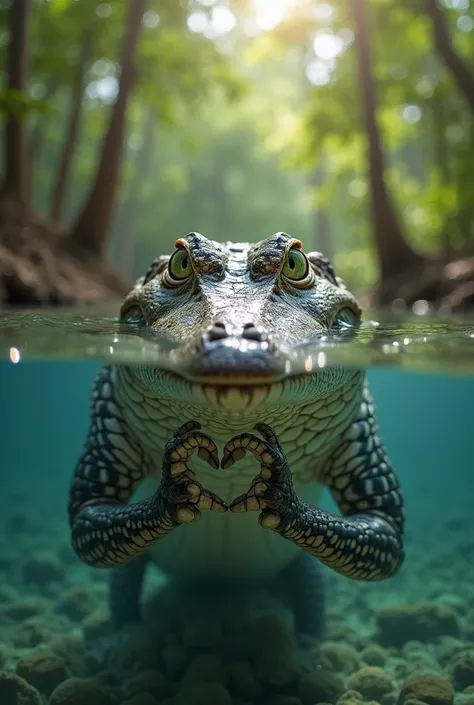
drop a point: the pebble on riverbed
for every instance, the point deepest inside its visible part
(44, 670)
(429, 688)
(14, 690)
(424, 622)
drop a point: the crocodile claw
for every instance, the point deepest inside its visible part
(180, 487)
(271, 491)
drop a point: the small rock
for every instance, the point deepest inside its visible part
(374, 655)
(425, 622)
(202, 633)
(22, 610)
(81, 691)
(206, 668)
(139, 650)
(447, 647)
(283, 699)
(150, 681)
(174, 657)
(275, 657)
(71, 649)
(319, 687)
(461, 668)
(372, 682)
(341, 657)
(42, 569)
(389, 699)
(243, 681)
(430, 688)
(30, 634)
(204, 694)
(95, 626)
(350, 697)
(464, 699)
(77, 604)
(43, 670)
(16, 691)
(141, 699)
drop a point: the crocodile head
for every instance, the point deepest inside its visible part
(237, 310)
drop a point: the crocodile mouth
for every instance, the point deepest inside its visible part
(235, 363)
(234, 375)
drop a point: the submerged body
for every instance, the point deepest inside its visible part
(278, 437)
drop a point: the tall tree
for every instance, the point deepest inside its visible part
(127, 220)
(454, 63)
(393, 251)
(72, 129)
(14, 184)
(93, 222)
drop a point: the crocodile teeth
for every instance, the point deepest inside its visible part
(235, 398)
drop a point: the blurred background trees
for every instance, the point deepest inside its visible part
(348, 123)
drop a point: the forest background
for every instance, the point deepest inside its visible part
(347, 124)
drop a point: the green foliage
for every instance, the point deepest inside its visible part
(247, 122)
(18, 104)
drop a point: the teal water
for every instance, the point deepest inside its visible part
(421, 375)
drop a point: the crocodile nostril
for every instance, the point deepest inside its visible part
(217, 332)
(251, 332)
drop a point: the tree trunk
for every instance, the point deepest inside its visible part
(393, 251)
(72, 130)
(14, 183)
(131, 205)
(457, 67)
(34, 143)
(91, 227)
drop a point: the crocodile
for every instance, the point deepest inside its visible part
(178, 462)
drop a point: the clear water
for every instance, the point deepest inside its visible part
(421, 373)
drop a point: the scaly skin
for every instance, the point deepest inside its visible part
(236, 308)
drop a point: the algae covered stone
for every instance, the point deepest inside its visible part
(424, 622)
(204, 694)
(461, 668)
(149, 681)
(319, 687)
(275, 657)
(429, 688)
(205, 667)
(372, 682)
(81, 691)
(42, 569)
(340, 657)
(374, 655)
(44, 670)
(243, 681)
(77, 603)
(141, 699)
(350, 697)
(14, 690)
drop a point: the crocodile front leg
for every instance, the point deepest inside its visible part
(106, 532)
(366, 544)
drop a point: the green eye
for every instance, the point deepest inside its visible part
(346, 318)
(296, 265)
(179, 265)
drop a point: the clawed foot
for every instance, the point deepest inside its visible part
(184, 495)
(271, 491)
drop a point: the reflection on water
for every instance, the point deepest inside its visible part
(410, 343)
